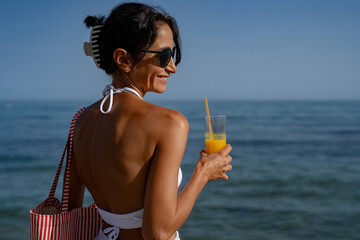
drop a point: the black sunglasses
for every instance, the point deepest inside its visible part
(166, 55)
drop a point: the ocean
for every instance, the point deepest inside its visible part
(296, 167)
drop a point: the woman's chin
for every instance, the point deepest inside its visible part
(161, 90)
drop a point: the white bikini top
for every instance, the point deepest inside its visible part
(109, 91)
(128, 220)
(124, 221)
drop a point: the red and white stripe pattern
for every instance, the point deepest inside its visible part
(78, 224)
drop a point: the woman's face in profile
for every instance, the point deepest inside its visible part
(148, 71)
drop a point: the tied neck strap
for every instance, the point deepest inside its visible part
(109, 91)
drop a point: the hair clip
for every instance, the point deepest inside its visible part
(91, 48)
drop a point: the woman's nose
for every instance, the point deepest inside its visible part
(171, 66)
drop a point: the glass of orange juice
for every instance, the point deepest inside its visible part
(217, 140)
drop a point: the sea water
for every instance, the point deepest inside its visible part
(296, 167)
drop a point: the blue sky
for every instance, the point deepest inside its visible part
(262, 50)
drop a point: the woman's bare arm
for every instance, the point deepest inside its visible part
(164, 210)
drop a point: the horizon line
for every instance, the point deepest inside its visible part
(192, 99)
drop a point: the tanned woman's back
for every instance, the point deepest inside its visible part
(113, 152)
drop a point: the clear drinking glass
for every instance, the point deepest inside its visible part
(217, 140)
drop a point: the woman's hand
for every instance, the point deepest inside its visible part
(214, 166)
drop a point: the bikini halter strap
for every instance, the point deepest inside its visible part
(109, 91)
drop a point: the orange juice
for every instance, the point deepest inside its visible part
(215, 144)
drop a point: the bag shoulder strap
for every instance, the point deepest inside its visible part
(68, 148)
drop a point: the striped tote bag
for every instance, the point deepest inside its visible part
(51, 219)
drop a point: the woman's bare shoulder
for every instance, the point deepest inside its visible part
(165, 117)
(87, 116)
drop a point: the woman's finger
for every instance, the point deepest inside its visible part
(203, 153)
(225, 151)
(224, 177)
(228, 168)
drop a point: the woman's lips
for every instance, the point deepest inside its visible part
(163, 78)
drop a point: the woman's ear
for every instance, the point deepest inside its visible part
(122, 59)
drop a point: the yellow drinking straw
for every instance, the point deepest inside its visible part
(208, 118)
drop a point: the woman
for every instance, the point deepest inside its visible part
(127, 152)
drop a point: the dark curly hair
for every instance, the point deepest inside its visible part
(133, 27)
